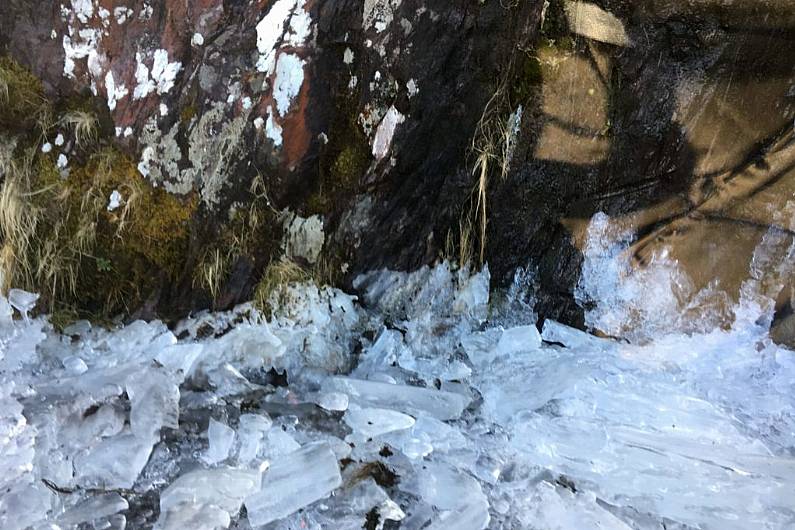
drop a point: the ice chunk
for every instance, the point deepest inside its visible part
(409, 399)
(222, 487)
(154, 400)
(16, 442)
(458, 497)
(335, 401)
(75, 365)
(279, 443)
(521, 338)
(194, 517)
(114, 463)
(372, 422)
(22, 301)
(293, 482)
(251, 430)
(558, 508)
(221, 438)
(179, 358)
(22, 505)
(572, 337)
(94, 508)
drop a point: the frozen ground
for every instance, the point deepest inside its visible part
(420, 406)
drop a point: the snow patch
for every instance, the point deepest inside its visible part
(114, 201)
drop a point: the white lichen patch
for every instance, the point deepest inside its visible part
(272, 129)
(83, 10)
(386, 130)
(115, 93)
(213, 147)
(197, 39)
(303, 237)
(379, 13)
(286, 23)
(160, 78)
(289, 79)
(146, 12)
(412, 88)
(122, 14)
(82, 38)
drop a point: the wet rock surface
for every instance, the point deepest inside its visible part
(675, 119)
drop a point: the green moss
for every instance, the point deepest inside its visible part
(23, 104)
(349, 165)
(527, 78)
(188, 113)
(344, 160)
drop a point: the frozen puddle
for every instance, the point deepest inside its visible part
(412, 409)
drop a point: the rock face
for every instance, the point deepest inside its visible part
(413, 130)
(357, 112)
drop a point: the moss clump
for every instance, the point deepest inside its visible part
(527, 78)
(188, 113)
(82, 257)
(23, 104)
(350, 164)
(344, 159)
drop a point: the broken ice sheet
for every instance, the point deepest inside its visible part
(251, 429)
(294, 481)
(94, 508)
(222, 487)
(403, 398)
(371, 422)
(114, 463)
(458, 497)
(220, 439)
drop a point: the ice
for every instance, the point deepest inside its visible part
(521, 338)
(93, 509)
(22, 301)
(154, 403)
(427, 404)
(372, 422)
(293, 482)
(220, 438)
(195, 517)
(250, 432)
(458, 497)
(114, 463)
(333, 401)
(409, 399)
(75, 365)
(222, 487)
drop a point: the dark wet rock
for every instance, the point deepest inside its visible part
(674, 118)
